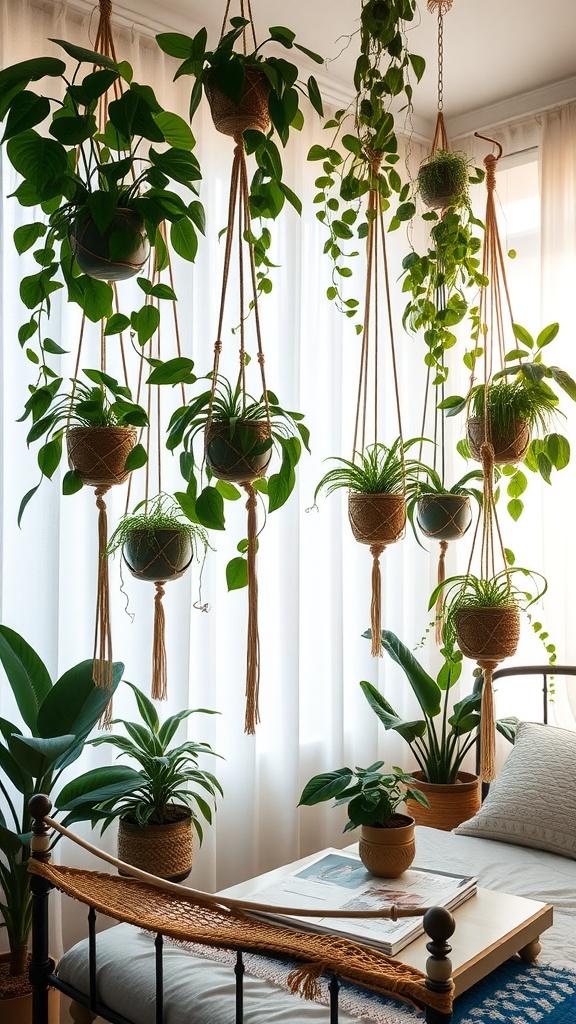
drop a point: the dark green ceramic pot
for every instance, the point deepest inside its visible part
(444, 516)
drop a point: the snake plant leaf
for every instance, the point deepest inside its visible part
(390, 720)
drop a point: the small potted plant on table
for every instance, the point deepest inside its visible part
(387, 846)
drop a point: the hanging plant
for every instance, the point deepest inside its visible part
(443, 179)
(106, 188)
(158, 546)
(230, 437)
(363, 149)
(518, 403)
(254, 98)
(443, 513)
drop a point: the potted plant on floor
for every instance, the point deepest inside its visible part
(441, 739)
(98, 420)
(159, 805)
(55, 721)
(387, 846)
(239, 437)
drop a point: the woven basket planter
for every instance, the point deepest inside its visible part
(509, 445)
(116, 255)
(249, 114)
(444, 516)
(377, 518)
(450, 804)
(163, 850)
(387, 852)
(238, 459)
(157, 557)
(99, 454)
(488, 634)
(442, 187)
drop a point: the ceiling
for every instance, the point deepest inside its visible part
(502, 58)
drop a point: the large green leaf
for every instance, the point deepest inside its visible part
(38, 756)
(94, 297)
(27, 675)
(210, 508)
(97, 785)
(176, 131)
(184, 239)
(36, 158)
(75, 703)
(81, 54)
(426, 689)
(30, 71)
(27, 110)
(325, 786)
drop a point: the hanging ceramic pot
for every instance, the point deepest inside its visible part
(444, 516)
(488, 634)
(443, 179)
(510, 443)
(387, 851)
(377, 518)
(157, 555)
(239, 456)
(118, 253)
(98, 454)
(251, 111)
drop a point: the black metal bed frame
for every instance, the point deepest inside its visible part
(438, 925)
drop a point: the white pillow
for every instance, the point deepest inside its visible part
(533, 801)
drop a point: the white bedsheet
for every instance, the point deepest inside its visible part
(198, 991)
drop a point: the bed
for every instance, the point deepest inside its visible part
(522, 841)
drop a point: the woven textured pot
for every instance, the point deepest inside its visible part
(444, 516)
(488, 634)
(509, 445)
(157, 557)
(116, 255)
(16, 1007)
(442, 187)
(387, 852)
(163, 850)
(233, 458)
(249, 114)
(377, 518)
(450, 804)
(99, 454)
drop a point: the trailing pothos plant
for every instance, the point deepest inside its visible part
(103, 402)
(521, 389)
(74, 168)
(203, 500)
(225, 69)
(363, 149)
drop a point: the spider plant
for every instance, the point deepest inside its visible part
(161, 512)
(379, 470)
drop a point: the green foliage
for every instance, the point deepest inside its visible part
(71, 170)
(58, 717)
(440, 740)
(203, 502)
(224, 69)
(380, 470)
(507, 588)
(528, 395)
(161, 512)
(364, 133)
(372, 796)
(101, 403)
(443, 179)
(168, 774)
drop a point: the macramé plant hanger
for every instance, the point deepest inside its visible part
(377, 519)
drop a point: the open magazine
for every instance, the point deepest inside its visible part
(339, 881)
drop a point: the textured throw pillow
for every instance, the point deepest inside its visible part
(533, 801)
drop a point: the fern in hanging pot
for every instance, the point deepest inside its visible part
(443, 179)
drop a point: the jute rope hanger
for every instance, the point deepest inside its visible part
(375, 527)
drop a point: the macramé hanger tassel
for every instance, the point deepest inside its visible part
(439, 602)
(376, 604)
(252, 714)
(159, 689)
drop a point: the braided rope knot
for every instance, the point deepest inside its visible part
(105, 7)
(490, 165)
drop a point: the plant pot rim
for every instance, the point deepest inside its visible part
(184, 817)
(376, 831)
(465, 781)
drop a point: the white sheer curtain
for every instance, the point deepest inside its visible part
(314, 579)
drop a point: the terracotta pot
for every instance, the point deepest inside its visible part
(444, 516)
(17, 1009)
(239, 458)
(377, 518)
(157, 557)
(116, 255)
(249, 114)
(163, 850)
(387, 852)
(450, 805)
(99, 454)
(489, 634)
(443, 187)
(509, 445)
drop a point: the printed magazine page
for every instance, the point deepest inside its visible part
(339, 881)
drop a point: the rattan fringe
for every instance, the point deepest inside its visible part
(190, 920)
